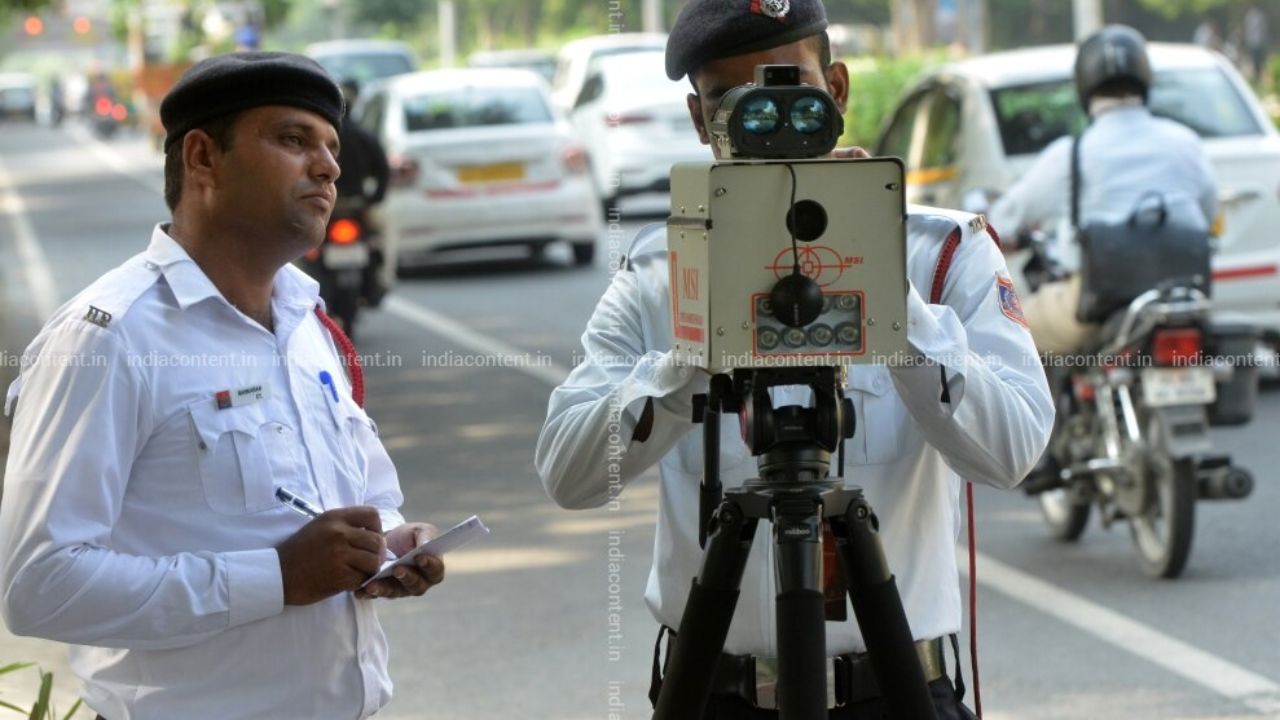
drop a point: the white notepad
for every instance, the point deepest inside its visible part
(457, 536)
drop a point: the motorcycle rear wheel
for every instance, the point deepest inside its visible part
(1162, 535)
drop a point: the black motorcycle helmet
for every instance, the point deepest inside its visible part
(1112, 58)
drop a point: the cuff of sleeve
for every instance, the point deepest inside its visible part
(255, 585)
(657, 376)
(391, 519)
(934, 334)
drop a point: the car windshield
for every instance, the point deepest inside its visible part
(1203, 99)
(475, 107)
(18, 97)
(363, 67)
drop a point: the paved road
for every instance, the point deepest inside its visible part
(522, 627)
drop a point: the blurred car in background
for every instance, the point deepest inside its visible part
(635, 124)
(479, 157)
(17, 96)
(978, 124)
(577, 59)
(539, 61)
(363, 61)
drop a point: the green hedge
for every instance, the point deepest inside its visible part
(875, 86)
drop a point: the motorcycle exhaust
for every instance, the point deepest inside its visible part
(1234, 483)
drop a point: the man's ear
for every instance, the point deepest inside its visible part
(201, 157)
(695, 113)
(838, 81)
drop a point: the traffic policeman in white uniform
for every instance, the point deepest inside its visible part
(1125, 154)
(628, 405)
(163, 407)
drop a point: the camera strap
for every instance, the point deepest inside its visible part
(350, 359)
(945, 258)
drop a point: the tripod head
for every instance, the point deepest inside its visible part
(793, 442)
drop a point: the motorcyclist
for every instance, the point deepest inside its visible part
(1125, 154)
(363, 182)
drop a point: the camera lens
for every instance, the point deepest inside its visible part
(848, 335)
(808, 115)
(764, 306)
(794, 338)
(847, 303)
(821, 335)
(767, 338)
(760, 115)
(828, 302)
(808, 220)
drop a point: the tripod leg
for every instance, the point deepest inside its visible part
(801, 608)
(883, 622)
(707, 615)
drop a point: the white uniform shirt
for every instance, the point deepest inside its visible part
(1125, 153)
(909, 454)
(139, 521)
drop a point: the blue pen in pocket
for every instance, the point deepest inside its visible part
(327, 380)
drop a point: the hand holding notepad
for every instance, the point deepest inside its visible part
(457, 536)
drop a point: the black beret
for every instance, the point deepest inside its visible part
(713, 29)
(239, 81)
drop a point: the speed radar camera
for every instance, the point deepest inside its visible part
(780, 259)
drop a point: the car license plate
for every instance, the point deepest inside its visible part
(1162, 387)
(499, 172)
(355, 255)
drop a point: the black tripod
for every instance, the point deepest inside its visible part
(795, 492)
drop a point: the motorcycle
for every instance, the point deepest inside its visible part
(1132, 431)
(345, 264)
(108, 116)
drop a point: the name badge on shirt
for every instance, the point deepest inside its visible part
(244, 396)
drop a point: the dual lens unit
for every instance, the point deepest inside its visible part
(776, 117)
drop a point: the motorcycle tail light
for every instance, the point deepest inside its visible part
(344, 232)
(404, 171)
(1176, 347)
(1083, 389)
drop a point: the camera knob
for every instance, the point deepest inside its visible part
(797, 300)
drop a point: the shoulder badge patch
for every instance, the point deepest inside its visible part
(1010, 305)
(776, 9)
(98, 317)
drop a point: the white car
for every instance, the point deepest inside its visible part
(635, 123)
(17, 96)
(363, 61)
(979, 123)
(577, 58)
(479, 157)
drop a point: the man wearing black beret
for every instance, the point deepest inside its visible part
(984, 417)
(194, 495)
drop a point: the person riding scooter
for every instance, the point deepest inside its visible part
(362, 185)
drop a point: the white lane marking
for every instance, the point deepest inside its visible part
(1204, 669)
(112, 158)
(44, 291)
(496, 352)
(1198, 666)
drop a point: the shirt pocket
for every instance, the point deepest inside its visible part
(883, 428)
(233, 460)
(347, 422)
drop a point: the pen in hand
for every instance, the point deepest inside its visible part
(302, 507)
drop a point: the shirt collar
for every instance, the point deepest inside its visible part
(291, 289)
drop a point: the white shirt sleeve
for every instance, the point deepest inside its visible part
(83, 416)
(1001, 413)
(1040, 197)
(585, 452)
(383, 483)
